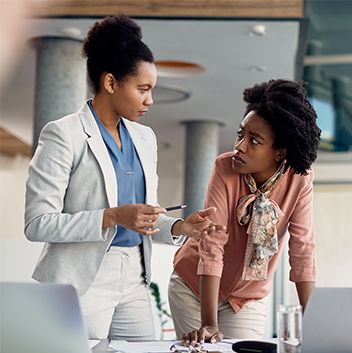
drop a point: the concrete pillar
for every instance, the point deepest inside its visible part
(202, 143)
(61, 84)
(342, 101)
(313, 74)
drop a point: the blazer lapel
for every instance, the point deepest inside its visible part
(144, 154)
(98, 148)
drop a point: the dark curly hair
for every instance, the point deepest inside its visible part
(285, 106)
(114, 45)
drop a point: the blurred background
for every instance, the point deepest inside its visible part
(207, 53)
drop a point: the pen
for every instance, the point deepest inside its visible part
(178, 207)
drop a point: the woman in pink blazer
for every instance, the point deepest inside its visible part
(263, 193)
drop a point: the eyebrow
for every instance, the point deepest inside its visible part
(145, 85)
(255, 134)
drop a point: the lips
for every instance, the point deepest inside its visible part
(142, 112)
(238, 159)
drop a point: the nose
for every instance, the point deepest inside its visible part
(241, 145)
(149, 99)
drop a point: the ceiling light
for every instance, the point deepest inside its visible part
(169, 94)
(257, 68)
(257, 30)
(71, 32)
(175, 68)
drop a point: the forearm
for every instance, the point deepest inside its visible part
(303, 290)
(66, 228)
(209, 294)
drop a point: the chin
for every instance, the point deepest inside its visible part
(240, 170)
(133, 119)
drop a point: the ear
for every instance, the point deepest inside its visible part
(109, 83)
(280, 154)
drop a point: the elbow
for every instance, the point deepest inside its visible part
(28, 232)
(32, 232)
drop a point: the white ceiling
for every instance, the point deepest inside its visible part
(229, 54)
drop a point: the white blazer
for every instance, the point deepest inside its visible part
(71, 181)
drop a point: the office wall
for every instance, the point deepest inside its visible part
(17, 256)
(332, 209)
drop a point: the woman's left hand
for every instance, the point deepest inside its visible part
(197, 224)
(206, 333)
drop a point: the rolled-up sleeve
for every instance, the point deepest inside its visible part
(211, 247)
(302, 236)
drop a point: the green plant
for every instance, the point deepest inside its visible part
(163, 314)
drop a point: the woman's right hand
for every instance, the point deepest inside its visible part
(206, 333)
(137, 217)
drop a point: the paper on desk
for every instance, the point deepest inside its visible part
(162, 346)
(93, 343)
(101, 346)
(223, 346)
(141, 347)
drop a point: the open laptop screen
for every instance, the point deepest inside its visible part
(41, 318)
(327, 321)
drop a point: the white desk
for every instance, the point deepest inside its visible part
(224, 346)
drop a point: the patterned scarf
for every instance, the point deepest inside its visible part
(261, 214)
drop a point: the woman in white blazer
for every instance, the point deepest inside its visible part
(92, 189)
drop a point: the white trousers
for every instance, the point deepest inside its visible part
(247, 323)
(117, 305)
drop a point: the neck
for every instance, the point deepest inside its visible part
(261, 177)
(259, 180)
(102, 106)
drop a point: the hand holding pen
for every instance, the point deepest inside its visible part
(143, 219)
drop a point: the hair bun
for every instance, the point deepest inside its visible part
(124, 29)
(119, 30)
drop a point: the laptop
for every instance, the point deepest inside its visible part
(41, 318)
(326, 325)
(327, 321)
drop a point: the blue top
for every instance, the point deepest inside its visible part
(129, 174)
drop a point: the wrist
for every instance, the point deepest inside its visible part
(210, 324)
(177, 227)
(110, 217)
